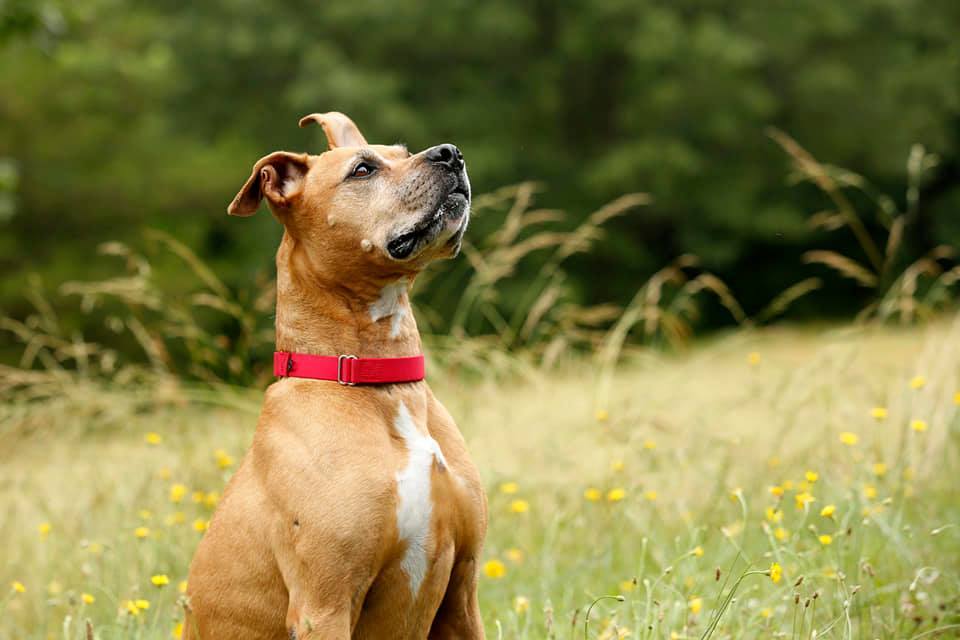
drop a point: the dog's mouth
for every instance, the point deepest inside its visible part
(447, 221)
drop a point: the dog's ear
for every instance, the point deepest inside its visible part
(339, 129)
(277, 177)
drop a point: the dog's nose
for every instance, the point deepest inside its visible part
(446, 155)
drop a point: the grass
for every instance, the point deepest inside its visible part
(656, 484)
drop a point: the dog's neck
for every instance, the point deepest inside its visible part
(317, 315)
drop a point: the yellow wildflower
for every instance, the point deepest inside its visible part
(509, 488)
(917, 382)
(177, 517)
(766, 612)
(601, 415)
(803, 499)
(18, 587)
(776, 491)
(773, 515)
(788, 485)
(956, 398)
(879, 469)
(142, 532)
(869, 492)
(131, 607)
(200, 525)
(182, 586)
(697, 551)
(776, 572)
(650, 494)
(514, 555)
(592, 494)
(177, 631)
(160, 580)
(849, 438)
(736, 495)
(197, 497)
(177, 491)
(87, 598)
(627, 586)
(519, 506)
(918, 425)
(753, 358)
(616, 495)
(879, 413)
(494, 569)
(825, 539)
(521, 604)
(650, 445)
(828, 511)
(211, 499)
(616, 465)
(695, 604)
(141, 604)
(811, 476)
(153, 438)
(781, 534)
(224, 459)
(44, 529)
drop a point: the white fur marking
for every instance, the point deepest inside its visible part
(390, 304)
(415, 506)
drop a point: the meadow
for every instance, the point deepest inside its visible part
(772, 483)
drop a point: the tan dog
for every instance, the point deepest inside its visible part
(357, 512)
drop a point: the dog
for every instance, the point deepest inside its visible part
(357, 512)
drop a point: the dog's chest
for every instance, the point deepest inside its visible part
(416, 512)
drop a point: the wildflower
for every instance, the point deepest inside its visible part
(43, 529)
(736, 495)
(509, 488)
(803, 499)
(811, 476)
(177, 517)
(616, 495)
(592, 494)
(521, 604)
(627, 586)
(650, 445)
(917, 382)
(869, 492)
(781, 534)
(145, 514)
(776, 491)
(182, 586)
(519, 506)
(695, 604)
(956, 398)
(879, 413)
(494, 569)
(514, 555)
(211, 500)
(131, 607)
(143, 605)
(753, 358)
(918, 425)
(787, 485)
(650, 494)
(177, 491)
(153, 438)
(697, 551)
(87, 598)
(825, 539)
(776, 572)
(828, 511)
(200, 525)
(177, 631)
(766, 612)
(773, 515)
(197, 497)
(879, 469)
(18, 587)
(224, 459)
(849, 438)
(601, 415)
(616, 465)
(160, 580)
(141, 532)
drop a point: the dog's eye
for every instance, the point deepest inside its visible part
(363, 170)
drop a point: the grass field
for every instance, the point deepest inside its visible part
(802, 483)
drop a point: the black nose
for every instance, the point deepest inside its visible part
(447, 155)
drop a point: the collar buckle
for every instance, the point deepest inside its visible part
(340, 378)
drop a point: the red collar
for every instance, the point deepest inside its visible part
(348, 370)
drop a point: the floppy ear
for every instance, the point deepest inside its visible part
(339, 129)
(277, 177)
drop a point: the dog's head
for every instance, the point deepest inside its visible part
(362, 206)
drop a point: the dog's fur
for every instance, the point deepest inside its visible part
(357, 512)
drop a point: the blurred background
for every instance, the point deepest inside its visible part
(123, 115)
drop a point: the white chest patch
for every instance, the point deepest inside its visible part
(390, 305)
(414, 506)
